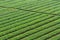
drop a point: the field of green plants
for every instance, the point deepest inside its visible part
(29, 20)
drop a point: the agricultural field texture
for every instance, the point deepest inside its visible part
(29, 20)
